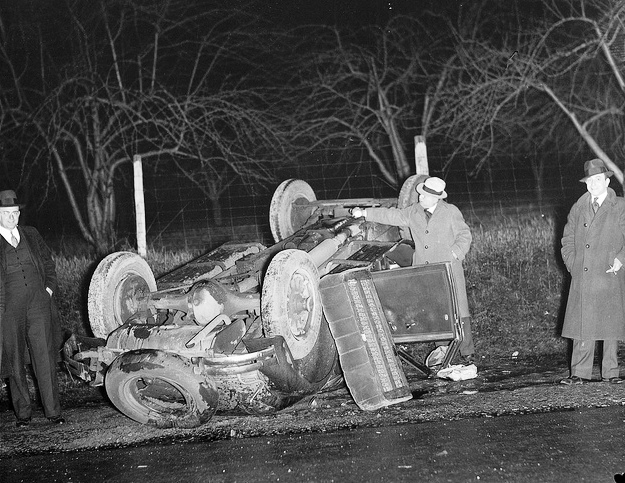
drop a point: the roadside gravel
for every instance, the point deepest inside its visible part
(513, 387)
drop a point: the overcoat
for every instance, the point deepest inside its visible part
(444, 238)
(595, 307)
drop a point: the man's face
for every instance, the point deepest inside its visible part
(597, 184)
(427, 200)
(9, 217)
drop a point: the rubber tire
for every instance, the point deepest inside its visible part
(282, 220)
(313, 351)
(114, 283)
(197, 394)
(408, 194)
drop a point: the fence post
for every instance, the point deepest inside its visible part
(421, 156)
(137, 168)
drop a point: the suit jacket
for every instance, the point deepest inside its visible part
(42, 257)
(596, 305)
(444, 238)
(40, 254)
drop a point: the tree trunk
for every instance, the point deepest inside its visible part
(217, 210)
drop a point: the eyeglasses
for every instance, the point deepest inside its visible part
(10, 214)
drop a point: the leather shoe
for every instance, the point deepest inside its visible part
(468, 359)
(56, 420)
(613, 380)
(21, 422)
(572, 381)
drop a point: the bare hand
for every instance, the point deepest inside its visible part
(357, 212)
(615, 267)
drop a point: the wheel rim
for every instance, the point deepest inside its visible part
(158, 395)
(128, 295)
(300, 305)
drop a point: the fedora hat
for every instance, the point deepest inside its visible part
(433, 187)
(8, 199)
(595, 166)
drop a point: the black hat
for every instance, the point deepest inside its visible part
(595, 166)
(8, 199)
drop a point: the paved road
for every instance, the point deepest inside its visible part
(565, 446)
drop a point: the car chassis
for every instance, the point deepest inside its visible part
(254, 329)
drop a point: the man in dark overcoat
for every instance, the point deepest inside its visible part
(30, 280)
(3, 372)
(440, 234)
(593, 250)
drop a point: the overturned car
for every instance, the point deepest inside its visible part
(254, 329)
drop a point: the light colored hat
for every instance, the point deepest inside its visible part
(432, 186)
(595, 166)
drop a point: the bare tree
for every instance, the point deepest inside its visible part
(375, 88)
(557, 69)
(164, 79)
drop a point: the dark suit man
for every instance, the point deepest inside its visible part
(3, 372)
(30, 280)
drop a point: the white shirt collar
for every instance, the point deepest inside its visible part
(431, 208)
(600, 199)
(6, 234)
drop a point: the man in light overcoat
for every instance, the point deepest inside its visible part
(593, 250)
(440, 234)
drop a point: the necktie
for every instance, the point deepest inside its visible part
(428, 214)
(595, 205)
(14, 241)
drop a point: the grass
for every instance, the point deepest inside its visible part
(515, 283)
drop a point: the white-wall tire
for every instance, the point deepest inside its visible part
(117, 283)
(284, 220)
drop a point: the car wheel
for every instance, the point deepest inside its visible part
(287, 211)
(291, 308)
(160, 389)
(117, 285)
(408, 194)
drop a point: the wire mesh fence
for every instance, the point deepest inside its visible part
(179, 214)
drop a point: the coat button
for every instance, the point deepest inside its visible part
(585, 269)
(426, 247)
(585, 224)
(427, 231)
(426, 262)
(587, 245)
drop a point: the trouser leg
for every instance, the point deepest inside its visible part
(14, 325)
(466, 346)
(43, 360)
(582, 358)
(20, 397)
(609, 362)
(2, 368)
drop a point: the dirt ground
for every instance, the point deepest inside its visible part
(502, 387)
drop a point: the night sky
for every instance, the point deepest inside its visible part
(347, 12)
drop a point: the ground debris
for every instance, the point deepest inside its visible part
(499, 390)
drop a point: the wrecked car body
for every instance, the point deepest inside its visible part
(254, 329)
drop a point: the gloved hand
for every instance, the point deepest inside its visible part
(358, 212)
